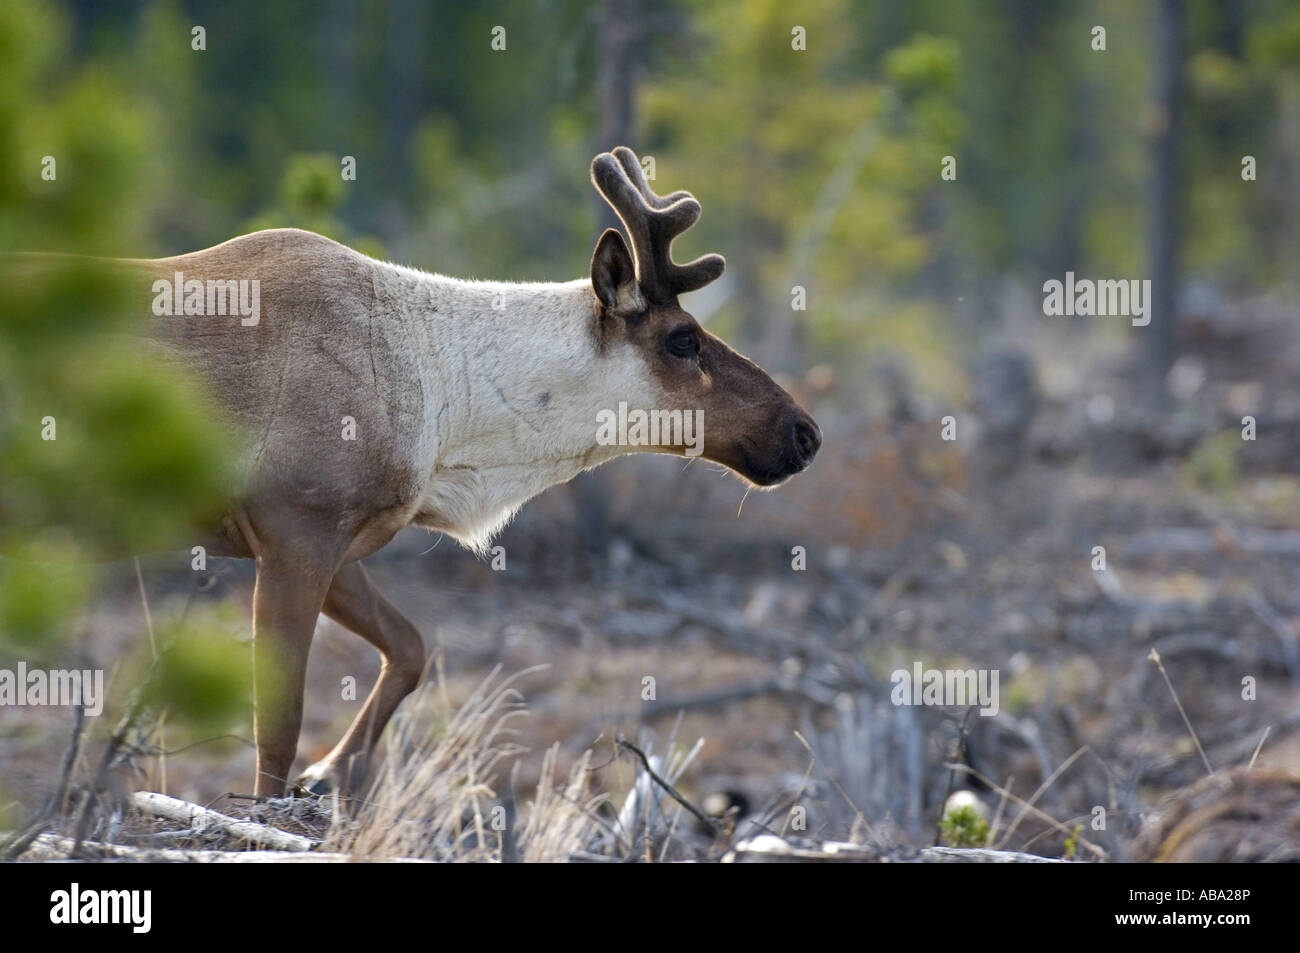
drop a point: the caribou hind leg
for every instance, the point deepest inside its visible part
(287, 600)
(355, 602)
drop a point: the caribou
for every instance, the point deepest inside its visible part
(374, 396)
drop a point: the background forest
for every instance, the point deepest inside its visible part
(885, 294)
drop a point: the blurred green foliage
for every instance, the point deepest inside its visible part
(202, 674)
(816, 167)
(103, 451)
(963, 827)
(1213, 464)
(36, 599)
(310, 195)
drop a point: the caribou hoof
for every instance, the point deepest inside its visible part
(317, 781)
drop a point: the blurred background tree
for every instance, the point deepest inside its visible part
(817, 167)
(815, 140)
(96, 458)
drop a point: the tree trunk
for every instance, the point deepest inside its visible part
(619, 29)
(1166, 192)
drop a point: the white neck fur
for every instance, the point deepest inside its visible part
(513, 382)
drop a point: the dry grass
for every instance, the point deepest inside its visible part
(436, 796)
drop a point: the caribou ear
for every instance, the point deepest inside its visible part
(613, 275)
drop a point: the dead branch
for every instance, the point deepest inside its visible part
(672, 791)
(1208, 541)
(53, 847)
(769, 849)
(1280, 627)
(201, 818)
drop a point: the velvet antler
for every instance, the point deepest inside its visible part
(652, 222)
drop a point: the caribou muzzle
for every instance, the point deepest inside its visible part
(786, 449)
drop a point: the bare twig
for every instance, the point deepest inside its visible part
(70, 757)
(153, 647)
(1259, 746)
(952, 775)
(858, 817)
(134, 707)
(1097, 852)
(1154, 656)
(13, 847)
(672, 791)
(1047, 783)
(997, 815)
(1280, 627)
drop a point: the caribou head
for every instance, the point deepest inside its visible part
(750, 424)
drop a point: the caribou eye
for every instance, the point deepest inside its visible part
(683, 343)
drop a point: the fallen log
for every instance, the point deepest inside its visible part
(770, 849)
(203, 819)
(53, 847)
(1217, 540)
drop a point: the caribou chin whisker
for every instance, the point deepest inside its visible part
(742, 501)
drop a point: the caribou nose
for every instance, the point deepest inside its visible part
(807, 440)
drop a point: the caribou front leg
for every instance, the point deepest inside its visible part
(354, 602)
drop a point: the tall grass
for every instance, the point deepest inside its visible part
(436, 795)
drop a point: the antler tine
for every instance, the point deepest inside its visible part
(632, 166)
(652, 222)
(630, 206)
